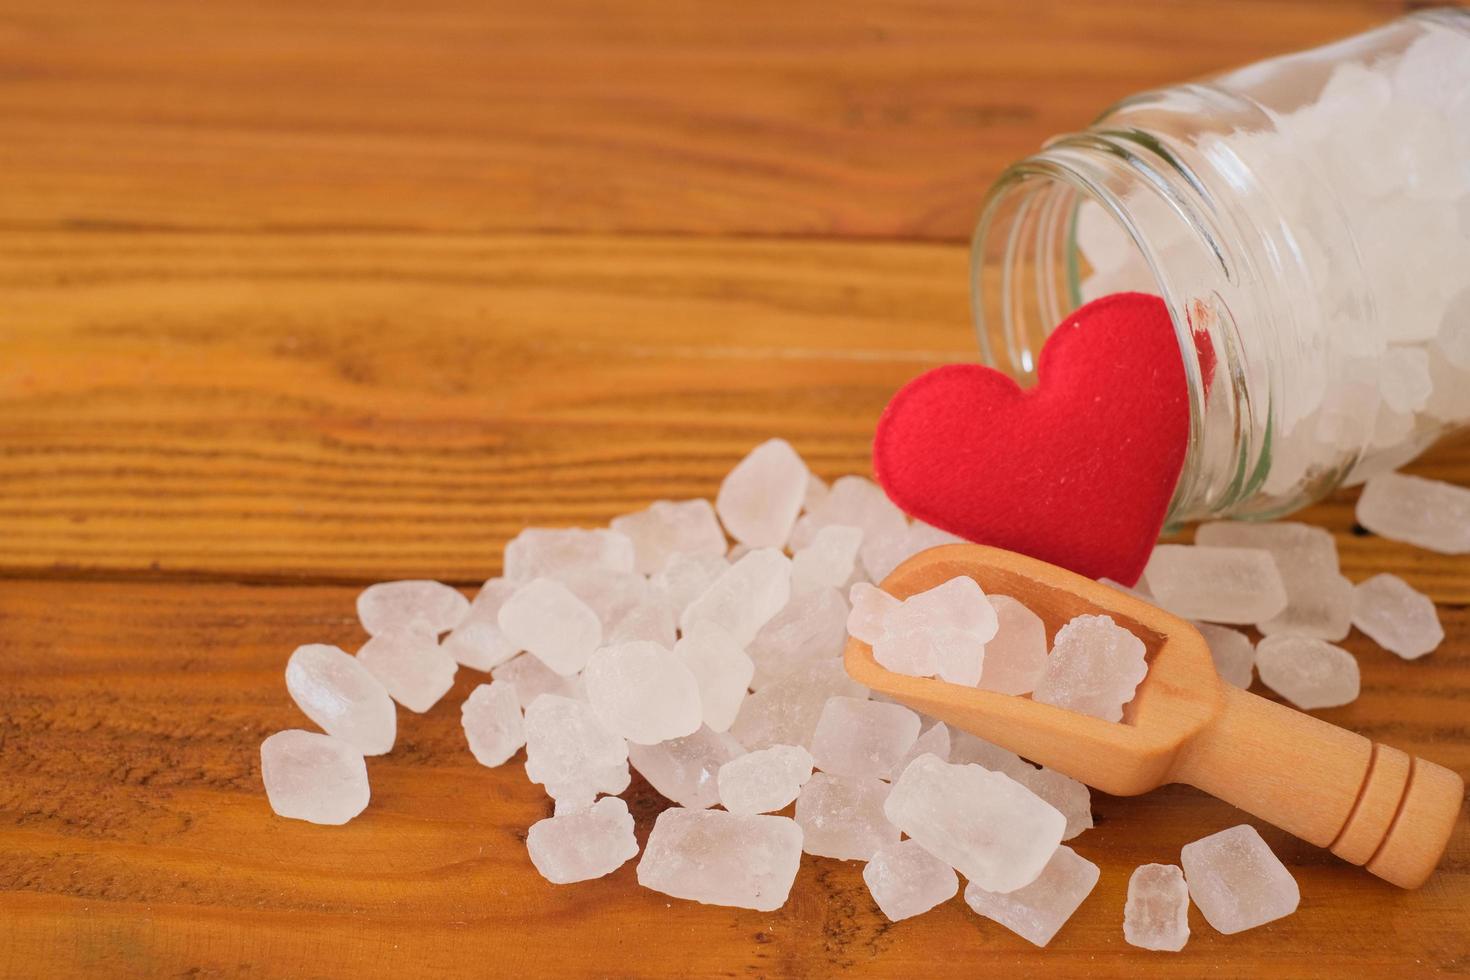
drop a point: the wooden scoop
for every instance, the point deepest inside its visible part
(1371, 804)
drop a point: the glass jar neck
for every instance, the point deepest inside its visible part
(1217, 253)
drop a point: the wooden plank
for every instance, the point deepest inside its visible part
(135, 839)
(877, 118)
(354, 408)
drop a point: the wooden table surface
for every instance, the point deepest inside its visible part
(302, 296)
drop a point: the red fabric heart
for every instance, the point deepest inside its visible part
(1078, 470)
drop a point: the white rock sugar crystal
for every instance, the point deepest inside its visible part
(827, 562)
(531, 679)
(610, 595)
(668, 528)
(745, 596)
(1318, 598)
(685, 578)
(785, 711)
(1015, 658)
(411, 666)
(1156, 915)
(906, 880)
(990, 828)
(1309, 673)
(718, 858)
(870, 609)
(1036, 911)
(477, 640)
(580, 846)
(651, 621)
(935, 741)
(1236, 881)
(1219, 585)
(643, 692)
(881, 556)
(856, 737)
(686, 770)
(538, 552)
(570, 752)
(1396, 617)
(816, 492)
(842, 817)
(721, 669)
(941, 631)
(1426, 513)
(492, 722)
(968, 748)
(342, 696)
(1233, 652)
(855, 501)
(312, 777)
(760, 498)
(811, 627)
(1094, 668)
(544, 618)
(764, 781)
(1071, 797)
(428, 607)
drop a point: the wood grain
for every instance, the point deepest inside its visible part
(135, 839)
(881, 118)
(302, 296)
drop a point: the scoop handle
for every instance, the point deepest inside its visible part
(1370, 804)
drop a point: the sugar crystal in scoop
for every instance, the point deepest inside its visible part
(1094, 668)
(545, 618)
(686, 770)
(721, 669)
(1015, 658)
(827, 562)
(1236, 881)
(906, 880)
(842, 816)
(956, 604)
(570, 752)
(643, 692)
(1309, 673)
(718, 858)
(1156, 915)
(1038, 910)
(313, 777)
(746, 595)
(760, 498)
(667, 528)
(870, 609)
(477, 640)
(856, 737)
(984, 824)
(411, 665)
(492, 722)
(1396, 617)
(765, 780)
(1219, 585)
(583, 845)
(1426, 513)
(341, 695)
(428, 607)
(538, 552)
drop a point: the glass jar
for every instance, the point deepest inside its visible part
(1307, 222)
